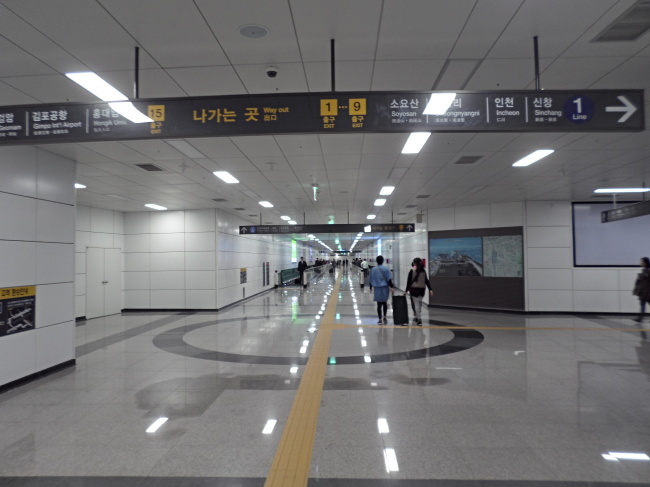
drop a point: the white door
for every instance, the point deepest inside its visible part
(103, 282)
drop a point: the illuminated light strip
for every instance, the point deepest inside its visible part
(156, 424)
(290, 467)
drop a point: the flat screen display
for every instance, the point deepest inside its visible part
(456, 256)
(614, 244)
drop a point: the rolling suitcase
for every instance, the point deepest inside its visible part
(400, 310)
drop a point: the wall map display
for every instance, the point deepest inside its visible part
(17, 309)
(513, 111)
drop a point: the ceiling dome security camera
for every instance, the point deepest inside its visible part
(271, 71)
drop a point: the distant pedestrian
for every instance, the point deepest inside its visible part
(381, 279)
(642, 287)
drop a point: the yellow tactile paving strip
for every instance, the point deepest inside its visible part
(292, 460)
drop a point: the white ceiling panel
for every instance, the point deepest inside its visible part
(258, 146)
(299, 145)
(418, 74)
(208, 80)
(505, 74)
(348, 76)
(341, 143)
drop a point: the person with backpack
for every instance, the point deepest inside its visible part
(381, 279)
(415, 285)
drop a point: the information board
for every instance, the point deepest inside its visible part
(512, 111)
(17, 309)
(336, 228)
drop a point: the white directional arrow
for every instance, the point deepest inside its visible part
(409, 227)
(244, 230)
(629, 109)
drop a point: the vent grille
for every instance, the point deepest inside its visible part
(252, 215)
(403, 213)
(239, 209)
(411, 206)
(150, 167)
(422, 196)
(628, 27)
(219, 200)
(465, 160)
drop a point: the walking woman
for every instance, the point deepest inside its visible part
(415, 285)
(381, 278)
(642, 287)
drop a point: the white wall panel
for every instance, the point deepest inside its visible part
(102, 240)
(168, 280)
(441, 219)
(18, 170)
(80, 286)
(200, 261)
(167, 261)
(118, 222)
(200, 242)
(137, 281)
(54, 304)
(79, 307)
(550, 279)
(137, 262)
(101, 221)
(507, 215)
(595, 301)
(55, 222)
(629, 303)
(20, 268)
(595, 279)
(55, 177)
(82, 218)
(54, 263)
(627, 278)
(540, 300)
(548, 213)
(81, 241)
(17, 217)
(137, 223)
(472, 217)
(549, 258)
(55, 344)
(200, 221)
(549, 237)
(167, 222)
(18, 352)
(137, 243)
(168, 242)
(118, 241)
(80, 263)
(200, 280)
(201, 299)
(168, 299)
(134, 299)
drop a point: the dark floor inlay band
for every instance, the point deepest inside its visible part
(173, 341)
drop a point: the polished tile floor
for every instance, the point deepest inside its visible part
(469, 399)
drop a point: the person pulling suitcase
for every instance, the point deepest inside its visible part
(415, 285)
(381, 279)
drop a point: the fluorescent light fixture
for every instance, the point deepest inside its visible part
(533, 157)
(371, 217)
(305, 343)
(97, 86)
(266, 204)
(382, 425)
(439, 103)
(387, 190)
(268, 428)
(364, 343)
(367, 359)
(359, 234)
(380, 202)
(79, 186)
(293, 370)
(415, 142)
(155, 207)
(287, 218)
(291, 222)
(360, 331)
(226, 177)
(391, 460)
(622, 190)
(130, 112)
(156, 424)
(303, 349)
(311, 236)
(627, 456)
(373, 384)
(186, 149)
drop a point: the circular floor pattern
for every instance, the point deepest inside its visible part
(173, 341)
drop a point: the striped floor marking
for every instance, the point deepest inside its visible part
(290, 467)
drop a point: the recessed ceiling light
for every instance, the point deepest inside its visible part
(380, 202)
(622, 190)
(156, 424)
(415, 142)
(291, 222)
(155, 207)
(287, 218)
(79, 186)
(533, 157)
(226, 177)
(371, 217)
(266, 204)
(387, 190)
(268, 428)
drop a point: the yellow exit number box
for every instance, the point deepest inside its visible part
(329, 107)
(157, 113)
(357, 106)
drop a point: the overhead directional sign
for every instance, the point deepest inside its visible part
(336, 228)
(625, 212)
(511, 111)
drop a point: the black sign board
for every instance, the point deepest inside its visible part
(336, 228)
(625, 212)
(512, 111)
(17, 309)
